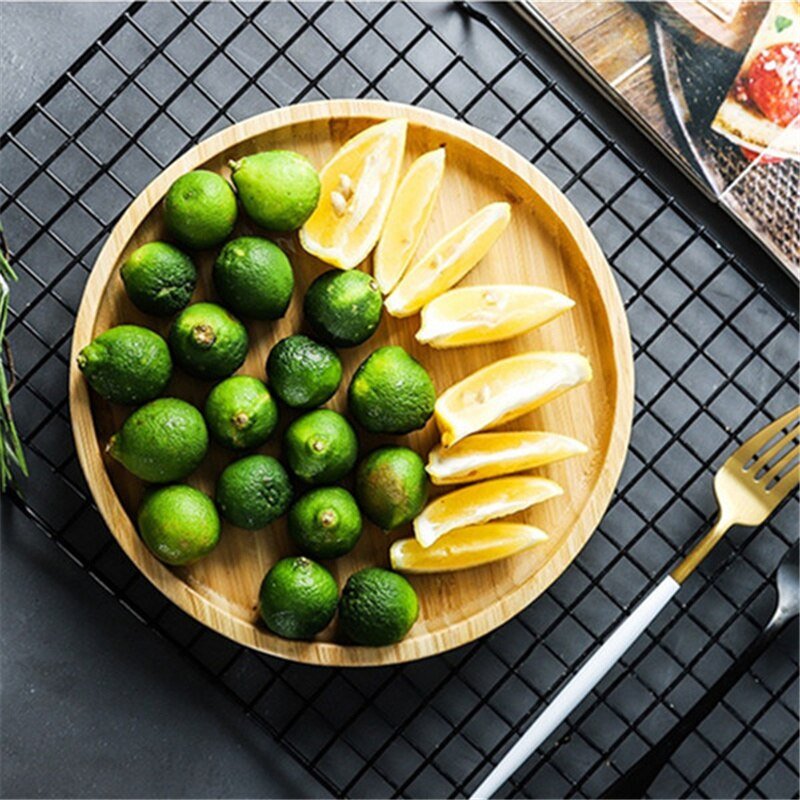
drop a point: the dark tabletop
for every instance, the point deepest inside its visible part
(96, 704)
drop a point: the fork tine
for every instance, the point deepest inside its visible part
(767, 456)
(785, 485)
(762, 437)
(780, 466)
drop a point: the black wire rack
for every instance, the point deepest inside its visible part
(716, 358)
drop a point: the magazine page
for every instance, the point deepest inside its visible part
(717, 82)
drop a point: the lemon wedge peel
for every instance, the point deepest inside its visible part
(505, 390)
(357, 186)
(479, 503)
(464, 548)
(449, 260)
(481, 314)
(490, 455)
(408, 218)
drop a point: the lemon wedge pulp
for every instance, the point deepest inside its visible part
(357, 186)
(481, 502)
(505, 390)
(449, 260)
(488, 455)
(465, 547)
(478, 314)
(408, 217)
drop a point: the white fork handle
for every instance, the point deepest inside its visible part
(584, 680)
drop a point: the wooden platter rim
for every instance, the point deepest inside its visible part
(201, 607)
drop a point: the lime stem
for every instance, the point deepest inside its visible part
(204, 335)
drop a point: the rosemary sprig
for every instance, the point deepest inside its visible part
(11, 453)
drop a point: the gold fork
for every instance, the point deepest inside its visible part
(749, 486)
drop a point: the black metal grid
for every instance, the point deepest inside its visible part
(715, 356)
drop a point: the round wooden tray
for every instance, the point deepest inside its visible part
(547, 243)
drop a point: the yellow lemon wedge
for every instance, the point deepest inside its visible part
(481, 502)
(488, 455)
(465, 547)
(505, 390)
(408, 217)
(478, 314)
(357, 186)
(449, 260)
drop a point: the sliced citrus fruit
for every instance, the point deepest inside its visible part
(465, 547)
(449, 260)
(407, 219)
(487, 455)
(505, 390)
(480, 502)
(478, 314)
(357, 186)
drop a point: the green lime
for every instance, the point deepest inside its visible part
(298, 598)
(241, 413)
(320, 447)
(391, 392)
(325, 522)
(302, 372)
(127, 364)
(178, 523)
(207, 341)
(254, 278)
(391, 486)
(200, 209)
(253, 491)
(279, 189)
(162, 441)
(378, 607)
(343, 307)
(159, 278)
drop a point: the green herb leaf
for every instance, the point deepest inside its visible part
(782, 23)
(11, 453)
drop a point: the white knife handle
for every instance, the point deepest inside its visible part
(584, 680)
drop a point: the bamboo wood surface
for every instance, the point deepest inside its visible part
(547, 243)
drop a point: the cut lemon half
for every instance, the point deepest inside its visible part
(357, 186)
(478, 314)
(449, 260)
(505, 390)
(487, 455)
(480, 502)
(465, 547)
(408, 217)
